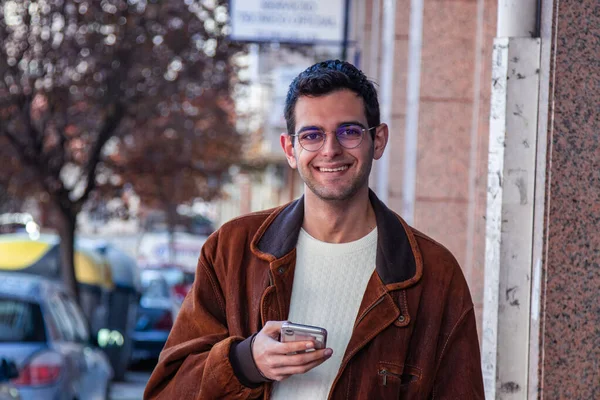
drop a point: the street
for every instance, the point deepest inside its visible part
(132, 388)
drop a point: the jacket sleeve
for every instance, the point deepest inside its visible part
(195, 364)
(459, 375)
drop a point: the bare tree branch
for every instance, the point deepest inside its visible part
(110, 126)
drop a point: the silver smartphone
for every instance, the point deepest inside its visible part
(291, 332)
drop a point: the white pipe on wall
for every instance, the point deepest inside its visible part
(375, 35)
(413, 98)
(387, 87)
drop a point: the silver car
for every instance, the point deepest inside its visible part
(43, 330)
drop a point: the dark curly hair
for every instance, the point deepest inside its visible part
(329, 76)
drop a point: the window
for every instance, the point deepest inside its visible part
(82, 334)
(60, 315)
(21, 321)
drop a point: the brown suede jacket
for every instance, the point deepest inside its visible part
(414, 337)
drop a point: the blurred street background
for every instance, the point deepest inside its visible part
(132, 387)
(130, 130)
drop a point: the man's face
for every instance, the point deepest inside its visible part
(334, 172)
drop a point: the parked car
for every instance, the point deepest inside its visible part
(179, 279)
(8, 371)
(181, 289)
(156, 312)
(44, 331)
(41, 257)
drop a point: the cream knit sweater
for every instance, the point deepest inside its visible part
(329, 284)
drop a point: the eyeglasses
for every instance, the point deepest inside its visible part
(348, 136)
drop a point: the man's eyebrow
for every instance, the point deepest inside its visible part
(309, 128)
(346, 123)
(341, 124)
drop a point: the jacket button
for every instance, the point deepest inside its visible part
(401, 318)
(281, 270)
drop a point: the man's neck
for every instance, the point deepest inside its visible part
(338, 221)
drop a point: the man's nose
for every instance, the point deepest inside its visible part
(331, 146)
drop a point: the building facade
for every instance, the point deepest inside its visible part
(494, 151)
(432, 60)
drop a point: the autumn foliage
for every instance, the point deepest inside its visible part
(95, 95)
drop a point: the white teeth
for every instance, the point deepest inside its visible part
(345, 167)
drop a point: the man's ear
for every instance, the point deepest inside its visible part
(288, 149)
(380, 141)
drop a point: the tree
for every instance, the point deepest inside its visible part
(85, 80)
(178, 160)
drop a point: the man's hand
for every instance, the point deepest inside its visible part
(273, 358)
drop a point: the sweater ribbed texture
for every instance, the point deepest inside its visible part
(329, 283)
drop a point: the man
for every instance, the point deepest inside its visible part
(396, 306)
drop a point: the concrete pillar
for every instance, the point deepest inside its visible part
(509, 222)
(510, 203)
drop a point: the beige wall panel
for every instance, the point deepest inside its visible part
(443, 151)
(396, 149)
(396, 142)
(449, 37)
(395, 201)
(476, 252)
(444, 222)
(400, 76)
(402, 17)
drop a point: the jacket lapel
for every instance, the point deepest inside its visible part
(377, 311)
(282, 271)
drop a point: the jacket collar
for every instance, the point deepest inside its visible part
(398, 263)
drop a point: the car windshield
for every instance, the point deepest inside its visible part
(21, 321)
(173, 276)
(155, 287)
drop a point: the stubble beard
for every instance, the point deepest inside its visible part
(325, 193)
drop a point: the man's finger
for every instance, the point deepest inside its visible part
(299, 369)
(294, 347)
(282, 361)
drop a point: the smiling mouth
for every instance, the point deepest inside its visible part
(338, 169)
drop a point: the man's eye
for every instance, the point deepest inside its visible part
(350, 131)
(311, 136)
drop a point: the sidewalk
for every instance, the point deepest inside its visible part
(132, 388)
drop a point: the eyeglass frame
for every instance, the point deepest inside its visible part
(362, 136)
